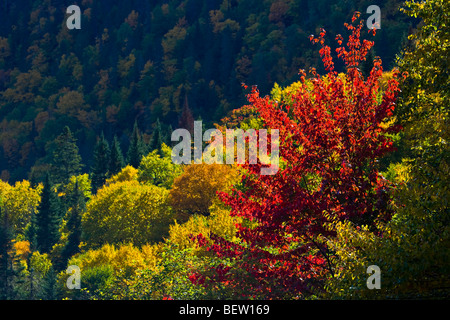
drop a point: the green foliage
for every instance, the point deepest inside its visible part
(48, 218)
(145, 59)
(412, 249)
(170, 280)
(160, 64)
(40, 263)
(78, 206)
(50, 287)
(66, 159)
(116, 161)
(157, 137)
(101, 164)
(136, 149)
(159, 170)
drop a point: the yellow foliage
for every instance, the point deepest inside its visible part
(194, 191)
(22, 249)
(220, 223)
(84, 184)
(40, 262)
(125, 212)
(352, 249)
(125, 257)
(19, 201)
(180, 234)
(129, 173)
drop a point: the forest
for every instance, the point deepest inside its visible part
(93, 207)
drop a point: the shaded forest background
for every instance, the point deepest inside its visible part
(152, 63)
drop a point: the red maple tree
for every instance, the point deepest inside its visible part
(331, 135)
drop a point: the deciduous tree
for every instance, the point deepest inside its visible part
(159, 170)
(193, 191)
(331, 135)
(127, 211)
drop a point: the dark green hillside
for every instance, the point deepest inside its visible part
(139, 61)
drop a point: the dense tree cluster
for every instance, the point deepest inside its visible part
(156, 63)
(363, 173)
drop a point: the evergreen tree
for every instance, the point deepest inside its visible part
(74, 225)
(31, 231)
(168, 136)
(48, 218)
(66, 159)
(30, 235)
(186, 120)
(49, 286)
(5, 248)
(101, 164)
(10, 269)
(367, 65)
(136, 149)
(157, 137)
(116, 161)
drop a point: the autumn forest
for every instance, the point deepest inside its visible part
(93, 205)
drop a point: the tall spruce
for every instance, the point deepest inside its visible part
(116, 161)
(5, 249)
(101, 164)
(10, 268)
(30, 235)
(74, 225)
(157, 137)
(48, 218)
(31, 230)
(66, 159)
(186, 120)
(168, 136)
(49, 286)
(137, 149)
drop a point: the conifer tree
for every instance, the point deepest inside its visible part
(30, 234)
(186, 119)
(10, 269)
(66, 159)
(116, 161)
(168, 136)
(48, 218)
(101, 164)
(136, 149)
(367, 64)
(157, 138)
(74, 225)
(31, 231)
(5, 247)
(49, 286)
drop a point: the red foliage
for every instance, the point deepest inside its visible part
(330, 138)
